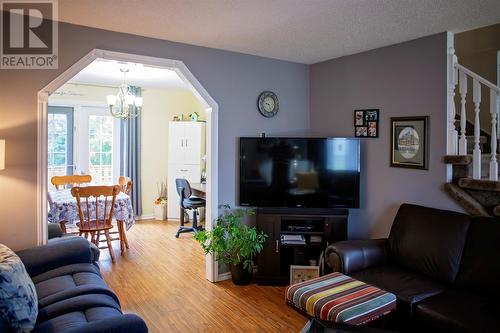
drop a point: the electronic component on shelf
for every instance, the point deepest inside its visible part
(293, 239)
(316, 239)
(299, 228)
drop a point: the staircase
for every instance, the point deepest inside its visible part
(472, 154)
(479, 197)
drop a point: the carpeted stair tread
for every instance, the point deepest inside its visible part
(458, 159)
(467, 159)
(479, 184)
(468, 203)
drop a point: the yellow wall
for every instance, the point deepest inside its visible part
(159, 107)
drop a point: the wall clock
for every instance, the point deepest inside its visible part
(268, 104)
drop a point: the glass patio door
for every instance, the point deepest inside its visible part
(60, 142)
(98, 144)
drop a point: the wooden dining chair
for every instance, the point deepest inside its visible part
(61, 181)
(91, 223)
(125, 185)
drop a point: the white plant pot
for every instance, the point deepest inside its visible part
(160, 212)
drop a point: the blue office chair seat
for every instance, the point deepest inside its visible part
(194, 201)
(188, 201)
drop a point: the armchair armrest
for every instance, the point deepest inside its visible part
(44, 258)
(129, 323)
(355, 255)
(54, 230)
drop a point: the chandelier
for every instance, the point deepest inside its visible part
(124, 104)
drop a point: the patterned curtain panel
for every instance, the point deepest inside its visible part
(130, 155)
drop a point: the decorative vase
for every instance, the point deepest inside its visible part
(239, 275)
(160, 212)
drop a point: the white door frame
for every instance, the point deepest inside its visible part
(211, 108)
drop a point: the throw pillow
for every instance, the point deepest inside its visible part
(18, 299)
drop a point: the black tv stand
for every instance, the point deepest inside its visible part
(303, 211)
(317, 227)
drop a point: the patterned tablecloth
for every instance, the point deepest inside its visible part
(63, 208)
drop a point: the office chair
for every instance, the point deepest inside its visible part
(188, 202)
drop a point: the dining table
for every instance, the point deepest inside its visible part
(64, 209)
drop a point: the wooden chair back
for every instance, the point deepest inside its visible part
(71, 180)
(125, 184)
(92, 220)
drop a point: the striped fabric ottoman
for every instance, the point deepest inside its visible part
(339, 298)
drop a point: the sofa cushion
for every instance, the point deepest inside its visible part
(428, 240)
(65, 270)
(70, 281)
(73, 320)
(65, 282)
(76, 304)
(409, 287)
(70, 237)
(479, 270)
(459, 311)
(18, 299)
(40, 259)
(128, 323)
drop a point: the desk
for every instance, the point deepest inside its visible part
(198, 190)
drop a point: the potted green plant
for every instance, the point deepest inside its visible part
(234, 243)
(160, 203)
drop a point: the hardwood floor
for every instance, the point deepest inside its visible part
(162, 279)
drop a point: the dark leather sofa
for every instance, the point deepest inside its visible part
(443, 266)
(72, 296)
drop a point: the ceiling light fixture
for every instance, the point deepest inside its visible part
(124, 104)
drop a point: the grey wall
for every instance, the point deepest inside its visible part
(233, 80)
(407, 79)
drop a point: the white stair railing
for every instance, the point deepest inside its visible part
(460, 75)
(494, 138)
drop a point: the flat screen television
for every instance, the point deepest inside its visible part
(299, 172)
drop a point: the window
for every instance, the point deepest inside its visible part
(60, 142)
(101, 134)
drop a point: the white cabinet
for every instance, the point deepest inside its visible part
(175, 143)
(186, 148)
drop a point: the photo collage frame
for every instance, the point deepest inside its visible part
(366, 123)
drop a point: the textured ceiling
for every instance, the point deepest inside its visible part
(107, 72)
(305, 31)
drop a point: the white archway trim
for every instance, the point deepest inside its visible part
(196, 88)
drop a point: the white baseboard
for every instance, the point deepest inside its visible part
(145, 217)
(152, 216)
(224, 276)
(227, 275)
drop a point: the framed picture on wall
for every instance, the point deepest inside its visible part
(366, 123)
(410, 142)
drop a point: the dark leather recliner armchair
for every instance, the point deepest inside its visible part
(442, 266)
